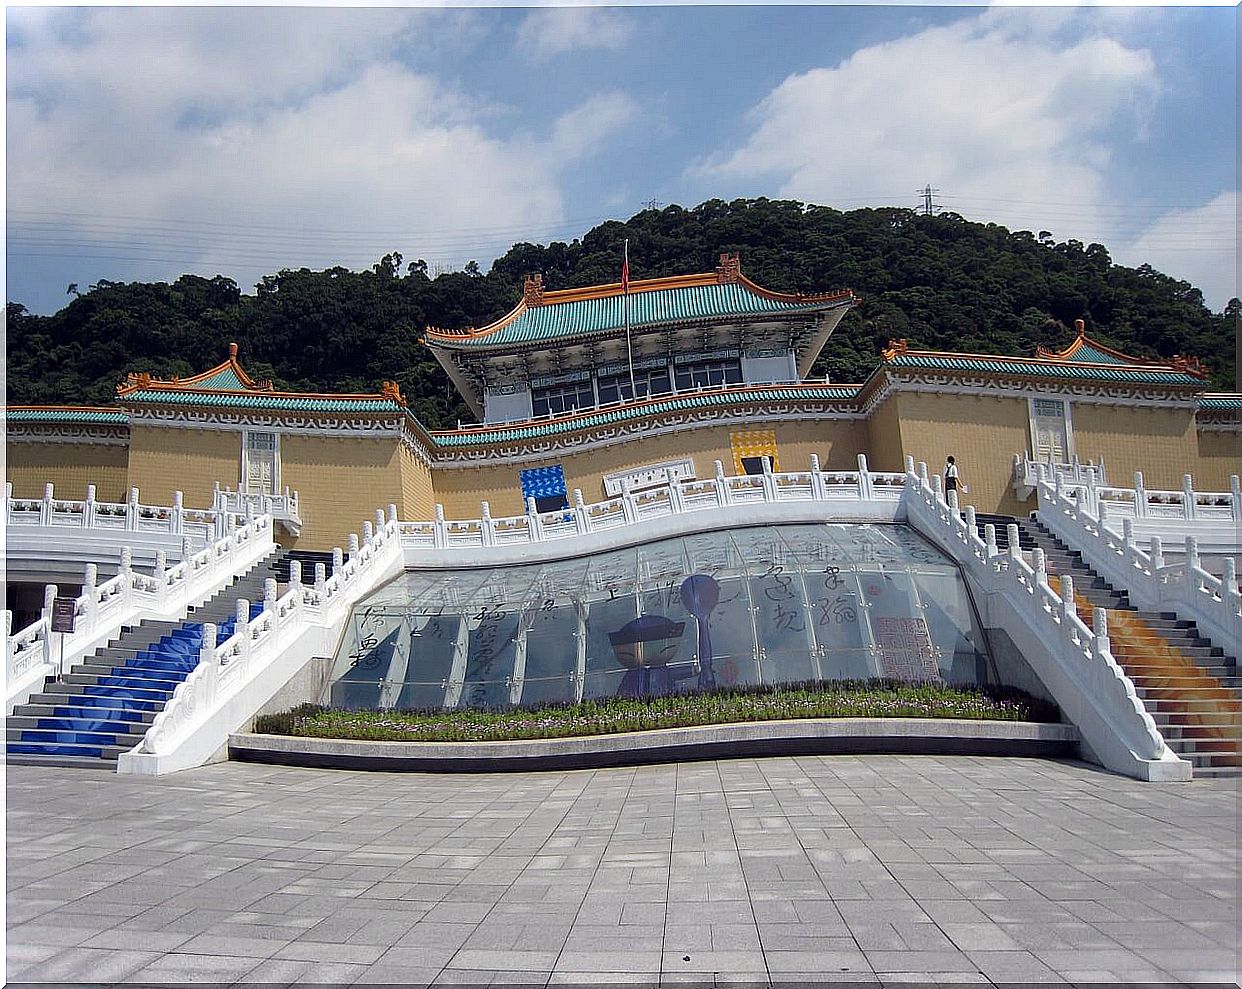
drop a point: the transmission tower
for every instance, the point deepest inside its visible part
(929, 204)
(652, 203)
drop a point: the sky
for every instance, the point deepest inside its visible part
(146, 142)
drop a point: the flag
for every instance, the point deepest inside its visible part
(625, 270)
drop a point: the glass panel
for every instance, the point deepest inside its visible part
(764, 604)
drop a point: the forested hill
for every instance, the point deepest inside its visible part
(939, 281)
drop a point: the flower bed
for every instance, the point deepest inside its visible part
(837, 699)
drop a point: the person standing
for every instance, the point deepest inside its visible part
(951, 476)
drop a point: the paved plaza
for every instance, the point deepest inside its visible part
(868, 869)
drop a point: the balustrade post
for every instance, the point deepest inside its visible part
(1192, 557)
(207, 647)
(1058, 485)
(724, 496)
(90, 583)
(864, 478)
(368, 533)
(1235, 497)
(1101, 512)
(8, 502)
(49, 599)
(1229, 594)
(321, 582)
(175, 518)
(676, 503)
(392, 514)
(1103, 472)
(338, 559)
(379, 519)
(351, 544)
(295, 573)
(1015, 541)
(628, 509)
(937, 483)
(989, 540)
(767, 480)
(1140, 496)
(923, 473)
(582, 520)
(241, 628)
(817, 479)
(185, 552)
(88, 508)
(1127, 538)
(1092, 500)
(1039, 563)
(1067, 601)
(487, 528)
(951, 498)
(440, 530)
(909, 463)
(972, 520)
(127, 563)
(1157, 555)
(1188, 497)
(45, 510)
(1099, 626)
(131, 510)
(161, 567)
(534, 528)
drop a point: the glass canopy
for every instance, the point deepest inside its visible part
(769, 604)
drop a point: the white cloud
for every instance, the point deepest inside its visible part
(1198, 245)
(553, 31)
(999, 111)
(255, 139)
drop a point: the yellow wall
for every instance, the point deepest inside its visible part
(167, 459)
(417, 497)
(981, 432)
(1220, 455)
(461, 490)
(70, 467)
(1159, 442)
(883, 427)
(340, 481)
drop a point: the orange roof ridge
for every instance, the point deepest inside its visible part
(728, 271)
(144, 380)
(1042, 355)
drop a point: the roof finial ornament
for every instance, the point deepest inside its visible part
(894, 348)
(729, 269)
(233, 350)
(390, 389)
(532, 292)
(1080, 327)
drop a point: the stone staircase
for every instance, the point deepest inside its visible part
(1189, 686)
(103, 705)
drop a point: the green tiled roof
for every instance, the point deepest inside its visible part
(560, 320)
(263, 400)
(1090, 354)
(117, 417)
(1045, 369)
(225, 379)
(1222, 402)
(735, 396)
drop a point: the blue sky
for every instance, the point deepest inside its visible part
(147, 142)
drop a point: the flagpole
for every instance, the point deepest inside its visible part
(629, 348)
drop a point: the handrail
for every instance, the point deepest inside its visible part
(201, 525)
(1082, 516)
(678, 497)
(102, 609)
(1083, 653)
(227, 668)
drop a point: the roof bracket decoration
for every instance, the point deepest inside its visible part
(390, 389)
(894, 348)
(532, 291)
(730, 268)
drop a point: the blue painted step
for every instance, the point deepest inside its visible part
(143, 684)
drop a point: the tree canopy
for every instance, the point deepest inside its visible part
(941, 282)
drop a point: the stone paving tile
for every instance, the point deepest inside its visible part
(796, 870)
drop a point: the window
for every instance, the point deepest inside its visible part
(562, 398)
(649, 381)
(714, 372)
(260, 464)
